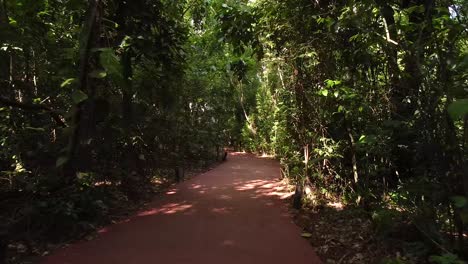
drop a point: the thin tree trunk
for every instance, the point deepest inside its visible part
(34, 72)
(88, 38)
(353, 156)
(4, 57)
(4, 20)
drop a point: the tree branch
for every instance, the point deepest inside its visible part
(31, 107)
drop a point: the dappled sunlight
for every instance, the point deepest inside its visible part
(336, 205)
(108, 228)
(264, 188)
(103, 183)
(250, 185)
(277, 192)
(215, 197)
(167, 209)
(221, 210)
(225, 211)
(250, 181)
(171, 192)
(237, 153)
(243, 183)
(225, 197)
(237, 167)
(267, 186)
(266, 156)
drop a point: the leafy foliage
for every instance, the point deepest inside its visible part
(364, 100)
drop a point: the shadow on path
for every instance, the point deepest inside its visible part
(231, 214)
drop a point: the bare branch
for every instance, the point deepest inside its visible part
(32, 107)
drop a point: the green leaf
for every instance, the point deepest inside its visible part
(332, 83)
(13, 22)
(61, 161)
(448, 258)
(306, 235)
(458, 109)
(362, 139)
(459, 201)
(323, 92)
(111, 63)
(82, 175)
(416, 9)
(97, 74)
(79, 96)
(67, 82)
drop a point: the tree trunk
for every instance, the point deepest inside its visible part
(4, 20)
(89, 36)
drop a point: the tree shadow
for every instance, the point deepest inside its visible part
(225, 215)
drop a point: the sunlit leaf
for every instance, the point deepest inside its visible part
(98, 74)
(323, 92)
(13, 22)
(68, 82)
(332, 83)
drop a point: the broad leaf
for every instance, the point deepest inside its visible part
(79, 96)
(111, 63)
(458, 109)
(459, 201)
(323, 92)
(98, 74)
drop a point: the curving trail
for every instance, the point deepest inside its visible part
(231, 214)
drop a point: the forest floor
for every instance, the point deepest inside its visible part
(235, 213)
(347, 235)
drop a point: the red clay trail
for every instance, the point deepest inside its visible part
(231, 214)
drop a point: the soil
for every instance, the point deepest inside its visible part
(347, 235)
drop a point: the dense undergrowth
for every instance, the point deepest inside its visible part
(366, 101)
(362, 101)
(99, 99)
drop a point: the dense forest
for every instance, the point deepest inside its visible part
(361, 101)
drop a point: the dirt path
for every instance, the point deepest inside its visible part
(231, 214)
